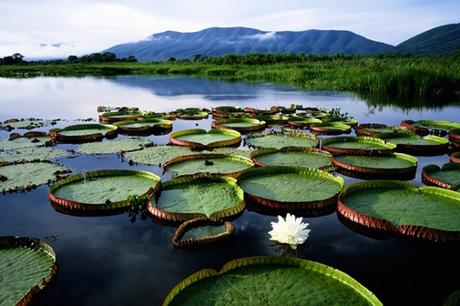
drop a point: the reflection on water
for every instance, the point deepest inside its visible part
(111, 261)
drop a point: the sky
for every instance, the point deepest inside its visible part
(58, 28)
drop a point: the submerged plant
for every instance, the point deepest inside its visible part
(291, 231)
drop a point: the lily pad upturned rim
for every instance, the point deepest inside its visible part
(270, 260)
(414, 231)
(211, 155)
(425, 127)
(455, 157)
(362, 172)
(258, 125)
(263, 151)
(257, 111)
(236, 138)
(177, 217)
(365, 130)
(158, 124)
(330, 128)
(439, 147)
(348, 121)
(297, 206)
(178, 242)
(7, 242)
(225, 111)
(108, 117)
(291, 133)
(75, 207)
(387, 147)
(429, 180)
(56, 133)
(192, 115)
(302, 121)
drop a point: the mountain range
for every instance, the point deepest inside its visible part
(239, 40)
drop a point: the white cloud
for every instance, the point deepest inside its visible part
(263, 36)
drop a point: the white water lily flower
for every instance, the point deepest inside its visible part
(290, 230)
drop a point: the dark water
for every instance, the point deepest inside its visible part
(112, 261)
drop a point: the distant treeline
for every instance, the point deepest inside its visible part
(93, 58)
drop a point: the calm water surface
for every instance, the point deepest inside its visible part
(117, 261)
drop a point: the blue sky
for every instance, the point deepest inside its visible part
(38, 28)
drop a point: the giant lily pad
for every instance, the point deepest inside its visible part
(23, 142)
(273, 119)
(201, 139)
(233, 151)
(27, 265)
(252, 110)
(380, 130)
(302, 121)
(292, 188)
(416, 145)
(158, 155)
(429, 213)
(278, 140)
(242, 125)
(114, 146)
(347, 121)
(396, 166)
(294, 157)
(201, 231)
(230, 165)
(193, 115)
(357, 145)
(28, 175)
(111, 117)
(30, 154)
(143, 126)
(446, 177)
(28, 124)
(101, 192)
(79, 133)
(424, 127)
(270, 281)
(182, 199)
(225, 111)
(330, 128)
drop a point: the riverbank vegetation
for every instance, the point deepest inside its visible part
(394, 76)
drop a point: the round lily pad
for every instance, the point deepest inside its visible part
(286, 110)
(193, 115)
(201, 231)
(201, 139)
(114, 146)
(229, 165)
(348, 121)
(242, 125)
(80, 133)
(102, 191)
(278, 140)
(396, 166)
(294, 157)
(28, 124)
(31, 154)
(104, 108)
(23, 142)
(362, 145)
(273, 119)
(112, 117)
(270, 281)
(416, 145)
(182, 199)
(380, 130)
(233, 151)
(225, 111)
(257, 111)
(143, 126)
(446, 177)
(28, 175)
(330, 128)
(27, 265)
(302, 121)
(455, 157)
(428, 213)
(292, 188)
(158, 155)
(425, 127)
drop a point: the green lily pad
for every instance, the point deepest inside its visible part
(102, 191)
(242, 125)
(199, 138)
(441, 127)
(113, 146)
(183, 199)
(29, 124)
(83, 133)
(427, 213)
(446, 177)
(347, 121)
(26, 265)
(143, 126)
(294, 157)
(357, 145)
(233, 151)
(289, 187)
(380, 130)
(303, 121)
(330, 128)
(223, 164)
(28, 175)
(193, 115)
(201, 231)
(273, 119)
(270, 281)
(395, 166)
(23, 143)
(158, 154)
(31, 153)
(416, 145)
(111, 117)
(278, 140)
